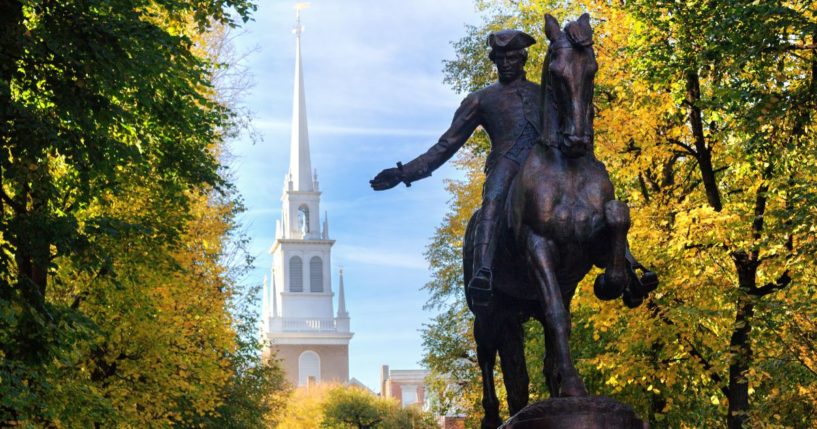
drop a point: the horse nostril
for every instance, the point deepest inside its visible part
(573, 139)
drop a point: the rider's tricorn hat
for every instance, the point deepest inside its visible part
(508, 40)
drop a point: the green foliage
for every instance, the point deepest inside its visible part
(354, 408)
(338, 407)
(119, 307)
(706, 122)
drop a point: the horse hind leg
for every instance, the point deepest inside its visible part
(514, 371)
(557, 319)
(611, 284)
(485, 334)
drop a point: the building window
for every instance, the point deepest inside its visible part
(309, 368)
(303, 219)
(296, 274)
(315, 274)
(408, 394)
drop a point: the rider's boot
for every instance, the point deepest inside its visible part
(480, 287)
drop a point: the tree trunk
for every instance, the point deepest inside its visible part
(32, 250)
(703, 152)
(740, 347)
(657, 400)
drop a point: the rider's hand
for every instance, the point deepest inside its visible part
(386, 179)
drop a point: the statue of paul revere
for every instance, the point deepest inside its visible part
(554, 222)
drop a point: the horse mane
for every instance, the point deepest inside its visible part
(579, 33)
(548, 106)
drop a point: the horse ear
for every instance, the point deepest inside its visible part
(584, 20)
(552, 30)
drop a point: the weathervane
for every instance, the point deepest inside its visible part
(298, 29)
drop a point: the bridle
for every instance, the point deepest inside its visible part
(562, 43)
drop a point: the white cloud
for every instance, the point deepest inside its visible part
(385, 257)
(267, 124)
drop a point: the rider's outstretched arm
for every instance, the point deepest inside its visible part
(466, 119)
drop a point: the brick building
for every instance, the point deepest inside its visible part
(405, 385)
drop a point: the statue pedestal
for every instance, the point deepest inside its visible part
(589, 412)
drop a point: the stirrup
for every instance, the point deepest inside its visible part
(481, 288)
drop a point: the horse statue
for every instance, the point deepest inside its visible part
(561, 218)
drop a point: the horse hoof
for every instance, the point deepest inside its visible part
(606, 290)
(492, 423)
(630, 300)
(649, 280)
(573, 388)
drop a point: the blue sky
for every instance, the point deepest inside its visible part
(374, 96)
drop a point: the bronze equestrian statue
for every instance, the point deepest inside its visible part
(548, 215)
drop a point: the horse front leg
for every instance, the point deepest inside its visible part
(549, 368)
(484, 334)
(557, 319)
(616, 276)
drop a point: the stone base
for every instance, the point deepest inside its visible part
(589, 412)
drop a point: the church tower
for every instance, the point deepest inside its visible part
(299, 321)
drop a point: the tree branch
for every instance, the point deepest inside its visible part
(693, 351)
(685, 146)
(802, 46)
(781, 283)
(17, 207)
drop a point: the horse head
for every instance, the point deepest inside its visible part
(567, 81)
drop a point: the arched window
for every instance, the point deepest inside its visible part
(309, 368)
(315, 274)
(303, 219)
(296, 274)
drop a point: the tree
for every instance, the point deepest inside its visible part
(119, 303)
(304, 409)
(342, 406)
(354, 408)
(705, 119)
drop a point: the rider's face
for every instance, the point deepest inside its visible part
(510, 65)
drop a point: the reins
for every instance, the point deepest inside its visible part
(547, 101)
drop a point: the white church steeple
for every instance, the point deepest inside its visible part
(300, 166)
(300, 323)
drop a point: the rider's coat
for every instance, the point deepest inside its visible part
(503, 110)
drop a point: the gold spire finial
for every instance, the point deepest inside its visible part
(298, 27)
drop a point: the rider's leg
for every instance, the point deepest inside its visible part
(494, 193)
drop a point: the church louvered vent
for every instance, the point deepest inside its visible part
(296, 274)
(315, 274)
